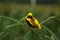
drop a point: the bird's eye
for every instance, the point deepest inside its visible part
(29, 16)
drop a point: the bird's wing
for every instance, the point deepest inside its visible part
(37, 24)
(30, 21)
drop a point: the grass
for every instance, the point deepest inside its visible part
(14, 27)
(19, 23)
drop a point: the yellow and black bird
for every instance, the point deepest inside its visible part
(32, 22)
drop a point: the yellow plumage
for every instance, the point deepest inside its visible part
(32, 22)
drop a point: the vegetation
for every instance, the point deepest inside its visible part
(13, 25)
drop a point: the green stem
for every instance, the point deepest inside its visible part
(18, 23)
(10, 18)
(48, 19)
(49, 29)
(50, 32)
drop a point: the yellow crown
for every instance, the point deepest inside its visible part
(30, 14)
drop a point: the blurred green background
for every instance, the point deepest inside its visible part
(13, 11)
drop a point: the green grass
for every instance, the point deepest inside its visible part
(13, 25)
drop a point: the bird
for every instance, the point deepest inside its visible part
(32, 22)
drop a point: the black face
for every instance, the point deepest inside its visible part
(29, 16)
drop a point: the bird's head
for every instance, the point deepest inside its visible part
(29, 15)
